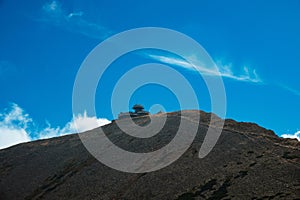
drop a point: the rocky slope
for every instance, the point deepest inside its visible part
(248, 162)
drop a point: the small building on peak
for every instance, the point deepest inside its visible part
(138, 108)
(138, 111)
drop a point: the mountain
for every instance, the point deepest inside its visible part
(248, 162)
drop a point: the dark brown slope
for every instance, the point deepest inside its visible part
(248, 162)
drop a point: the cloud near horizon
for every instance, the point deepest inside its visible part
(16, 127)
(55, 14)
(220, 69)
(292, 136)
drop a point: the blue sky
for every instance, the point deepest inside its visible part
(255, 45)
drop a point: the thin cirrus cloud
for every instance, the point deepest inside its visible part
(293, 91)
(223, 70)
(54, 13)
(75, 22)
(16, 126)
(247, 75)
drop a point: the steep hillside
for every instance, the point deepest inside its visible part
(248, 162)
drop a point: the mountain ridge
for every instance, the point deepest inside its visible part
(248, 162)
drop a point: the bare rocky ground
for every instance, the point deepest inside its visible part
(248, 162)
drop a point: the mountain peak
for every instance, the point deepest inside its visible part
(247, 162)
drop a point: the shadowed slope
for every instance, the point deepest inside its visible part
(247, 162)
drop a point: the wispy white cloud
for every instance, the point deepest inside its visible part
(78, 124)
(53, 6)
(79, 14)
(13, 125)
(293, 136)
(245, 74)
(220, 69)
(16, 126)
(293, 91)
(54, 13)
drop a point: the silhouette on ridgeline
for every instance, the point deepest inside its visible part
(138, 111)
